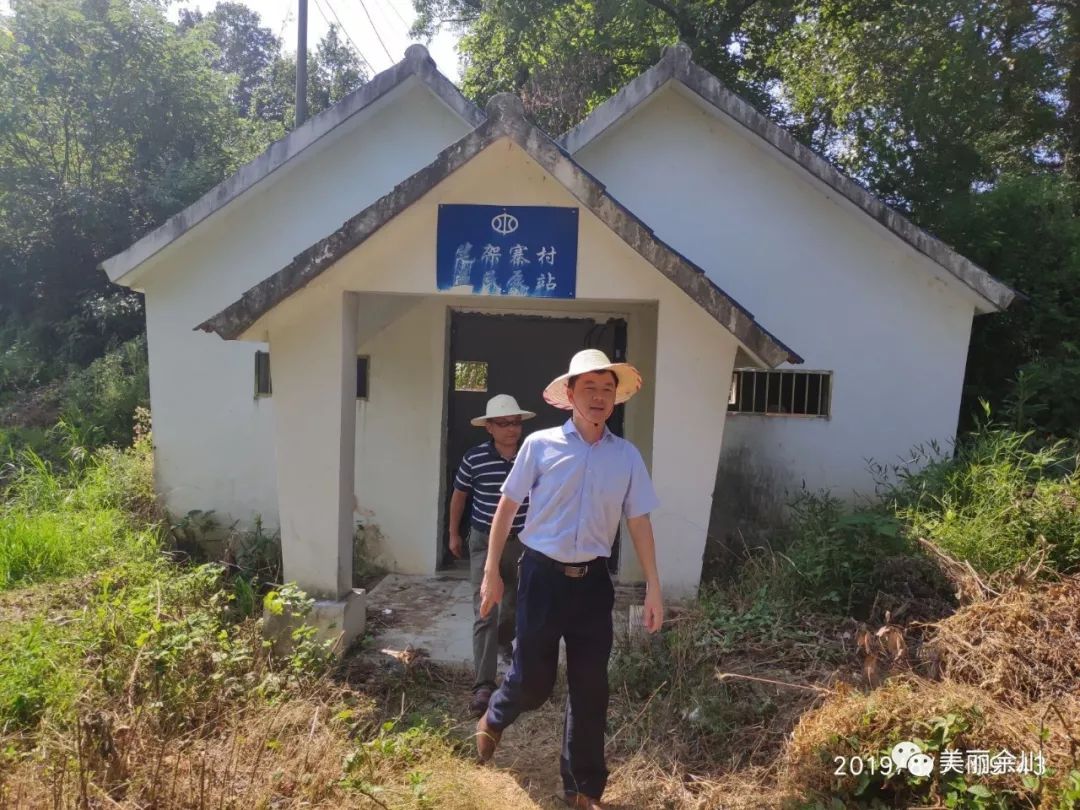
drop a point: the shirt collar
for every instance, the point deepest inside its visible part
(569, 427)
(494, 452)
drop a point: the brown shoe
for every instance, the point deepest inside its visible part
(582, 802)
(487, 738)
(479, 703)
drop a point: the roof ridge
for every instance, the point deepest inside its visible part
(416, 62)
(505, 118)
(676, 64)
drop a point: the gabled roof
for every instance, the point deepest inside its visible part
(505, 120)
(416, 63)
(676, 65)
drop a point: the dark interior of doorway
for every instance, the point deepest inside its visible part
(516, 355)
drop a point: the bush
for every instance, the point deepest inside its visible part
(837, 556)
(99, 402)
(60, 523)
(23, 365)
(1003, 498)
(1024, 230)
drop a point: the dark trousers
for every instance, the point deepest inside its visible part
(550, 606)
(497, 629)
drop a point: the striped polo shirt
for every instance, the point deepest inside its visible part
(482, 473)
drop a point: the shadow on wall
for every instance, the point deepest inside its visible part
(747, 508)
(369, 547)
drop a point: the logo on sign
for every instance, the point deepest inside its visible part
(504, 224)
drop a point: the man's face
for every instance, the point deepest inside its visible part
(593, 395)
(505, 430)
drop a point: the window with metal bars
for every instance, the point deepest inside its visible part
(781, 393)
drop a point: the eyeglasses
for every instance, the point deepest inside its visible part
(505, 423)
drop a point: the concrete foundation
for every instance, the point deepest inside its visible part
(339, 621)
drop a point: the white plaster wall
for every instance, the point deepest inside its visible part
(671, 420)
(214, 439)
(399, 427)
(828, 280)
(314, 426)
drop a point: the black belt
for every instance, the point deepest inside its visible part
(572, 570)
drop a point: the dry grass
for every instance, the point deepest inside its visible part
(288, 755)
(729, 710)
(305, 752)
(1021, 647)
(906, 708)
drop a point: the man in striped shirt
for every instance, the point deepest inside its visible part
(482, 472)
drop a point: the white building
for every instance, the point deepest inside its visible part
(692, 211)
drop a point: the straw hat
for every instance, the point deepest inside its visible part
(593, 360)
(501, 406)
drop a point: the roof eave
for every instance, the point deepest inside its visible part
(122, 268)
(677, 65)
(505, 119)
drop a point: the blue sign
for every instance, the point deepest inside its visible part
(523, 250)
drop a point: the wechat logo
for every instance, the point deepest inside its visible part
(908, 755)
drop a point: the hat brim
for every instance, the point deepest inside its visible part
(480, 421)
(629, 384)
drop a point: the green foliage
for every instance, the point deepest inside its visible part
(246, 49)
(307, 654)
(61, 523)
(836, 556)
(912, 98)
(367, 544)
(1002, 499)
(884, 785)
(39, 672)
(257, 553)
(1026, 232)
(104, 397)
(566, 56)
(159, 635)
(112, 120)
(399, 746)
(181, 642)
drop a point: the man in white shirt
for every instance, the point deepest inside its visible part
(580, 479)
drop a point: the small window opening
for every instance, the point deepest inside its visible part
(470, 375)
(263, 387)
(781, 393)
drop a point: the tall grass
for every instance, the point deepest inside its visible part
(60, 522)
(1004, 498)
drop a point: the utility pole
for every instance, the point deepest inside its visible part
(301, 65)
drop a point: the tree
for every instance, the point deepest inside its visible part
(334, 70)
(247, 48)
(333, 73)
(924, 101)
(111, 120)
(1025, 231)
(566, 56)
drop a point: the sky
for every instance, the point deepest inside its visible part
(366, 22)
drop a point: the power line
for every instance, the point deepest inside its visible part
(363, 5)
(345, 31)
(393, 8)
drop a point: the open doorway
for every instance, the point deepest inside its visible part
(516, 355)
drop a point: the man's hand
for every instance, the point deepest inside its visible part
(455, 545)
(653, 615)
(491, 592)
